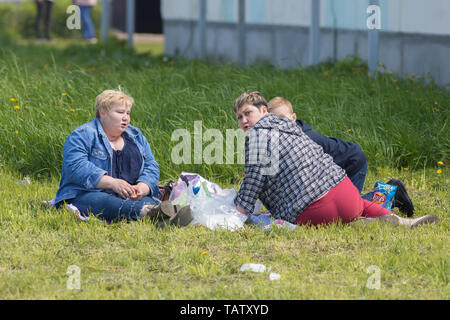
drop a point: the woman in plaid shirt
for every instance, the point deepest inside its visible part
(293, 177)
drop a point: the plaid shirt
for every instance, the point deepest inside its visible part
(285, 169)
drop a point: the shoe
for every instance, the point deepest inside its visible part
(430, 218)
(401, 199)
(163, 210)
(166, 213)
(396, 220)
(182, 218)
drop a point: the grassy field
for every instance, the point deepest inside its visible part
(48, 90)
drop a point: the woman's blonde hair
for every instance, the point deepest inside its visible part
(107, 98)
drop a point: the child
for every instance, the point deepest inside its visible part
(348, 155)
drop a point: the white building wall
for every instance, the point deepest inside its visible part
(419, 16)
(179, 10)
(407, 16)
(281, 12)
(414, 37)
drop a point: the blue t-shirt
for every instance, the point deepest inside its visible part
(126, 163)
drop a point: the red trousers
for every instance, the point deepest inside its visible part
(342, 204)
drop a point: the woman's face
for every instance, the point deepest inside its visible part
(248, 115)
(116, 120)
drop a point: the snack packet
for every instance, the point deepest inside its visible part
(383, 194)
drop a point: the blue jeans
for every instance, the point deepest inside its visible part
(109, 206)
(359, 178)
(88, 25)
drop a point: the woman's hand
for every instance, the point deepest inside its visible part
(241, 210)
(141, 190)
(122, 188)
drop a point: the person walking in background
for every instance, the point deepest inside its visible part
(44, 13)
(88, 26)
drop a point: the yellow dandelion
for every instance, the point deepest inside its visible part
(17, 107)
(405, 169)
(64, 94)
(395, 80)
(13, 100)
(439, 171)
(67, 115)
(338, 123)
(349, 130)
(72, 110)
(205, 252)
(16, 132)
(440, 163)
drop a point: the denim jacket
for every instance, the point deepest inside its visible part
(87, 157)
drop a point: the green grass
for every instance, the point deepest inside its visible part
(137, 261)
(397, 128)
(407, 127)
(154, 48)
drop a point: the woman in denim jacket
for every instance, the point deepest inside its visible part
(108, 167)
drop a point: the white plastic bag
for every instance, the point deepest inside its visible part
(211, 206)
(255, 267)
(179, 195)
(215, 210)
(274, 276)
